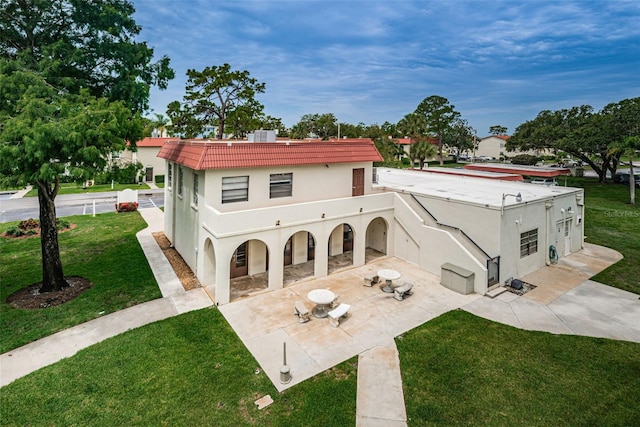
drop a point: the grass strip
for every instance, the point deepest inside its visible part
(78, 188)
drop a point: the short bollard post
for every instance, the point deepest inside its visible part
(285, 373)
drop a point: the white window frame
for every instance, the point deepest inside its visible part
(235, 189)
(180, 181)
(280, 185)
(169, 175)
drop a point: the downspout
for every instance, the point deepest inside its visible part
(547, 205)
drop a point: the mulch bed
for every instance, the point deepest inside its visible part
(37, 233)
(183, 271)
(30, 298)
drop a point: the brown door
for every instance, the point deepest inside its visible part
(149, 174)
(288, 252)
(239, 264)
(311, 247)
(358, 182)
(347, 241)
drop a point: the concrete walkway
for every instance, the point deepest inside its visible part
(31, 357)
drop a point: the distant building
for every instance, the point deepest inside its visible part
(147, 154)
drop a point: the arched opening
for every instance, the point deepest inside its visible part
(299, 253)
(209, 264)
(340, 248)
(248, 269)
(376, 239)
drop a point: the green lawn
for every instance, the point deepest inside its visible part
(76, 188)
(190, 370)
(103, 249)
(611, 221)
(460, 369)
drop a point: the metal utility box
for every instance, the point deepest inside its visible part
(457, 278)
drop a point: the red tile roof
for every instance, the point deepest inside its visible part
(199, 155)
(409, 141)
(152, 142)
(503, 137)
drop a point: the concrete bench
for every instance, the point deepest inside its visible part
(334, 303)
(334, 315)
(371, 280)
(301, 310)
(402, 290)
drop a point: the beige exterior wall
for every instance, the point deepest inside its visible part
(499, 234)
(207, 235)
(309, 183)
(148, 157)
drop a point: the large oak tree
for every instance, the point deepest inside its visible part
(216, 96)
(73, 84)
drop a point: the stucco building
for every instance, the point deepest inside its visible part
(147, 154)
(241, 208)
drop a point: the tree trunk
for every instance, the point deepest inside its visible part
(52, 275)
(632, 181)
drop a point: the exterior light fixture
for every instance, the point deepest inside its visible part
(505, 195)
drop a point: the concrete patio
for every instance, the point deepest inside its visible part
(564, 301)
(265, 320)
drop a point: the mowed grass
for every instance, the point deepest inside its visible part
(103, 249)
(459, 369)
(190, 370)
(610, 220)
(77, 188)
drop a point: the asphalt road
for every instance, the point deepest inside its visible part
(74, 204)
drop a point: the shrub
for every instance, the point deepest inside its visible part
(127, 206)
(524, 159)
(159, 179)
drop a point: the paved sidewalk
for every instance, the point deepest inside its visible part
(22, 192)
(380, 399)
(31, 357)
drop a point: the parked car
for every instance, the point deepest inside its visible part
(623, 178)
(544, 181)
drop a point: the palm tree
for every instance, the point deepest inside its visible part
(422, 150)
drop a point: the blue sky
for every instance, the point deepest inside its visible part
(498, 63)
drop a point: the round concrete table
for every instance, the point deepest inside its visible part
(322, 298)
(388, 276)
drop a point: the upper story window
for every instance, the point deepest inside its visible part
(528, 243)
(116, 154)
(235, 189)
(280, 185)
(169, 175)
(195, 189)
(180, 181)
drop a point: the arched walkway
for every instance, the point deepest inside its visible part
(299, 256)
(376, 239)
(248, 269)
(340, 244)
(209, 264)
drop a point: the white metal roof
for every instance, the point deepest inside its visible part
(467, 189)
